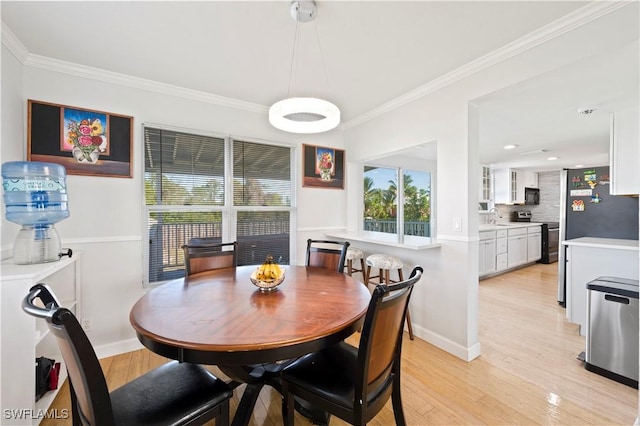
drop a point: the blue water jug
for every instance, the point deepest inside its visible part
(34, 192)
(35, 197)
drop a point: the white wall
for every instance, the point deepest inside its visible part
(12, 146)
(445, 304)
(106, 221)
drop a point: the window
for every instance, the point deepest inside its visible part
(397, 203)
(212, 186)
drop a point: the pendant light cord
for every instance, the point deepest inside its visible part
(324, 65)
(293, 70)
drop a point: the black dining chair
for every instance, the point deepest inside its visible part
(327, 254)
(355, 383)
(172, 394)
(205, 254)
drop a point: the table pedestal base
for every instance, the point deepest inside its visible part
(255, 377)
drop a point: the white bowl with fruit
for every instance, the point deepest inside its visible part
(268, 276)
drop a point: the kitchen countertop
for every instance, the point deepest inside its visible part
(614, 243)
(507, 225)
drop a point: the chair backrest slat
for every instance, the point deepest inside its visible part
(205, 254)
(327, 254)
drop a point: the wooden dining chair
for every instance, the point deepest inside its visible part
(327, 254)
(205, 254)
(355, 383)
(172, 394)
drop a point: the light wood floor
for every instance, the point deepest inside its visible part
(527, 374)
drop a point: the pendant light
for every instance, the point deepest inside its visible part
(303, 114)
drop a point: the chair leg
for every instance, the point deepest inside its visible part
(349, 267)
(396, 400)
(288, 404)
(408, 319)
(223, 417)
(409, 326)
(367, 275)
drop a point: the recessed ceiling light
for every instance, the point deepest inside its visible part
(577, 166)
(552, 158)
(510, 146)
(586, 111)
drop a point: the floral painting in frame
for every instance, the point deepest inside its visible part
(323, 167)
(84, 141)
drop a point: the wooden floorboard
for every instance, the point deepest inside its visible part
(528, 373)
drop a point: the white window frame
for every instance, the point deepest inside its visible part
(399, 237)
(228, 210)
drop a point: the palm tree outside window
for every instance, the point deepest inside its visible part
(397, 202)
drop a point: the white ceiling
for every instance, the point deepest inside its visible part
(373, 52)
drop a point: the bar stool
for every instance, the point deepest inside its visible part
(355, 254)
(385, 263)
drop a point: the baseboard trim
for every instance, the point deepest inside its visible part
(117, 348)
(464, 353)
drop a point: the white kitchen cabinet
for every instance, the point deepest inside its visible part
(517, 247)
(502, 262)
(485, 183)
(624, 152)
(509, 186)
(24, 338)
(534, 243)
(501, 250)
(530, 179)
(589, 258)
(487, 253)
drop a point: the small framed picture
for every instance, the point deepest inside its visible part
(323, 167)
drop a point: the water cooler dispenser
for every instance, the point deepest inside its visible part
(35, 196)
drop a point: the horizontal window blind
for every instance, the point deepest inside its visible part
(183, 169)
(261, 174)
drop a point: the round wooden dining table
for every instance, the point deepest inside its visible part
(220, 318)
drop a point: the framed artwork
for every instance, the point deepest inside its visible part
(323, 167)
(84, 141)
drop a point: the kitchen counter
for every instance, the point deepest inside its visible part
(613, 243)
(507, 225)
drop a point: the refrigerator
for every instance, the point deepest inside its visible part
(588, 210)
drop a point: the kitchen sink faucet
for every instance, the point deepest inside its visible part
(494, 214)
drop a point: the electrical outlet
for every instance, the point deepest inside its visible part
(87, 324)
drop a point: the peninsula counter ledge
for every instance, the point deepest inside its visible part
(409, 246)
(588, 258)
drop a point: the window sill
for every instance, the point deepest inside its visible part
(354, 237)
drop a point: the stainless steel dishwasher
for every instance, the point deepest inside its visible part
(612, 331)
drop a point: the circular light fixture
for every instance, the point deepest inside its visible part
(304, 115)
(510, 146)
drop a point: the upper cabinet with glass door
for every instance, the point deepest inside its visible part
(485, 185)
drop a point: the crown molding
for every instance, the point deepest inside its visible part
(543, 34)
(12, 43)
(36, 61)
(77, 70)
